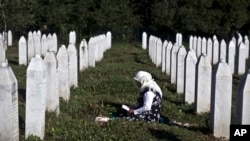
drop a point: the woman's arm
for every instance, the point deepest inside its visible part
(147, 103)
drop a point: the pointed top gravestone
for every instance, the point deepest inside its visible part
(191, 40)
(246, 42)
(223, 50)
(180, 69)
(215, 51)
(189, 75)
(54, 42)
(109, 39)
(242, 100)
(210, 49)
(83, 53)
(168, 58)
(9, 121)
(221, 98)
(73, 71)
(2, 50)
(144, 40)
(203, 85)
(52, 95)
(35, 98)
(163, 64)
(63, 73)
(173, 67)
(44, 45)
(10, 38)
(22, 51)
(204, 45)
(231, 55)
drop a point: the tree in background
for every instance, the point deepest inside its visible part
(202, 17)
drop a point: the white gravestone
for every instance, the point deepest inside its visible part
(215, 51)
(210, 49)
(203, 85)
(31, 48)
(231, 55)
(163, 63)
(91, 53)
(242, 100)
(73, 71)
(191, 40)
(174, 51)
(109, 39)
(144, 40)
(37, 43)
(180, 69)
(83, 55)
(2, 50)
(204, 45)
(35, 98)
(190, 72)
(246, 42)
(22, 51)
(241, 60)
(221, 100)
(150, 45)
(198, 49)
(158, 52)
(9, 122)
(97, 48)
(177, 39)
(49, 42)
(180, 40)
(195, 45)
(54, 42)
(52, 95)
(154, 55)
(44, 45)
(10, 38)
(168, 57)
(72, 37)
(63, 73)
(223, 50)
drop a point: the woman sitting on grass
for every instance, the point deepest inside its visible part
(148, 105)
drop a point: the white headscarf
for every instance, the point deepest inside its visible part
(146, 80)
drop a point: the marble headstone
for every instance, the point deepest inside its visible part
(221, 100)
(22, 51)
(63, 73)
(9, 121)
(35, 98)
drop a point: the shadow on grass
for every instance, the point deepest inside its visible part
(118, 107)
(13, 62)
(160, 134)
(137, 59)
(22, 93)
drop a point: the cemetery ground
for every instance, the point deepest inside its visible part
(103, 89)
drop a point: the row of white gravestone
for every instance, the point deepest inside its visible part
(3, 47)
(47, 80)
(93, 50)
(216, 50)
(202, 86)
(36, 45)
(52, 78)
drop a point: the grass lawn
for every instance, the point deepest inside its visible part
(102, 90)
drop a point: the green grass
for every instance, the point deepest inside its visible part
(102, 90)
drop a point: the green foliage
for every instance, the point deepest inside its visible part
(201, 16)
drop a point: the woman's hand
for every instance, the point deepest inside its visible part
(131, 111)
